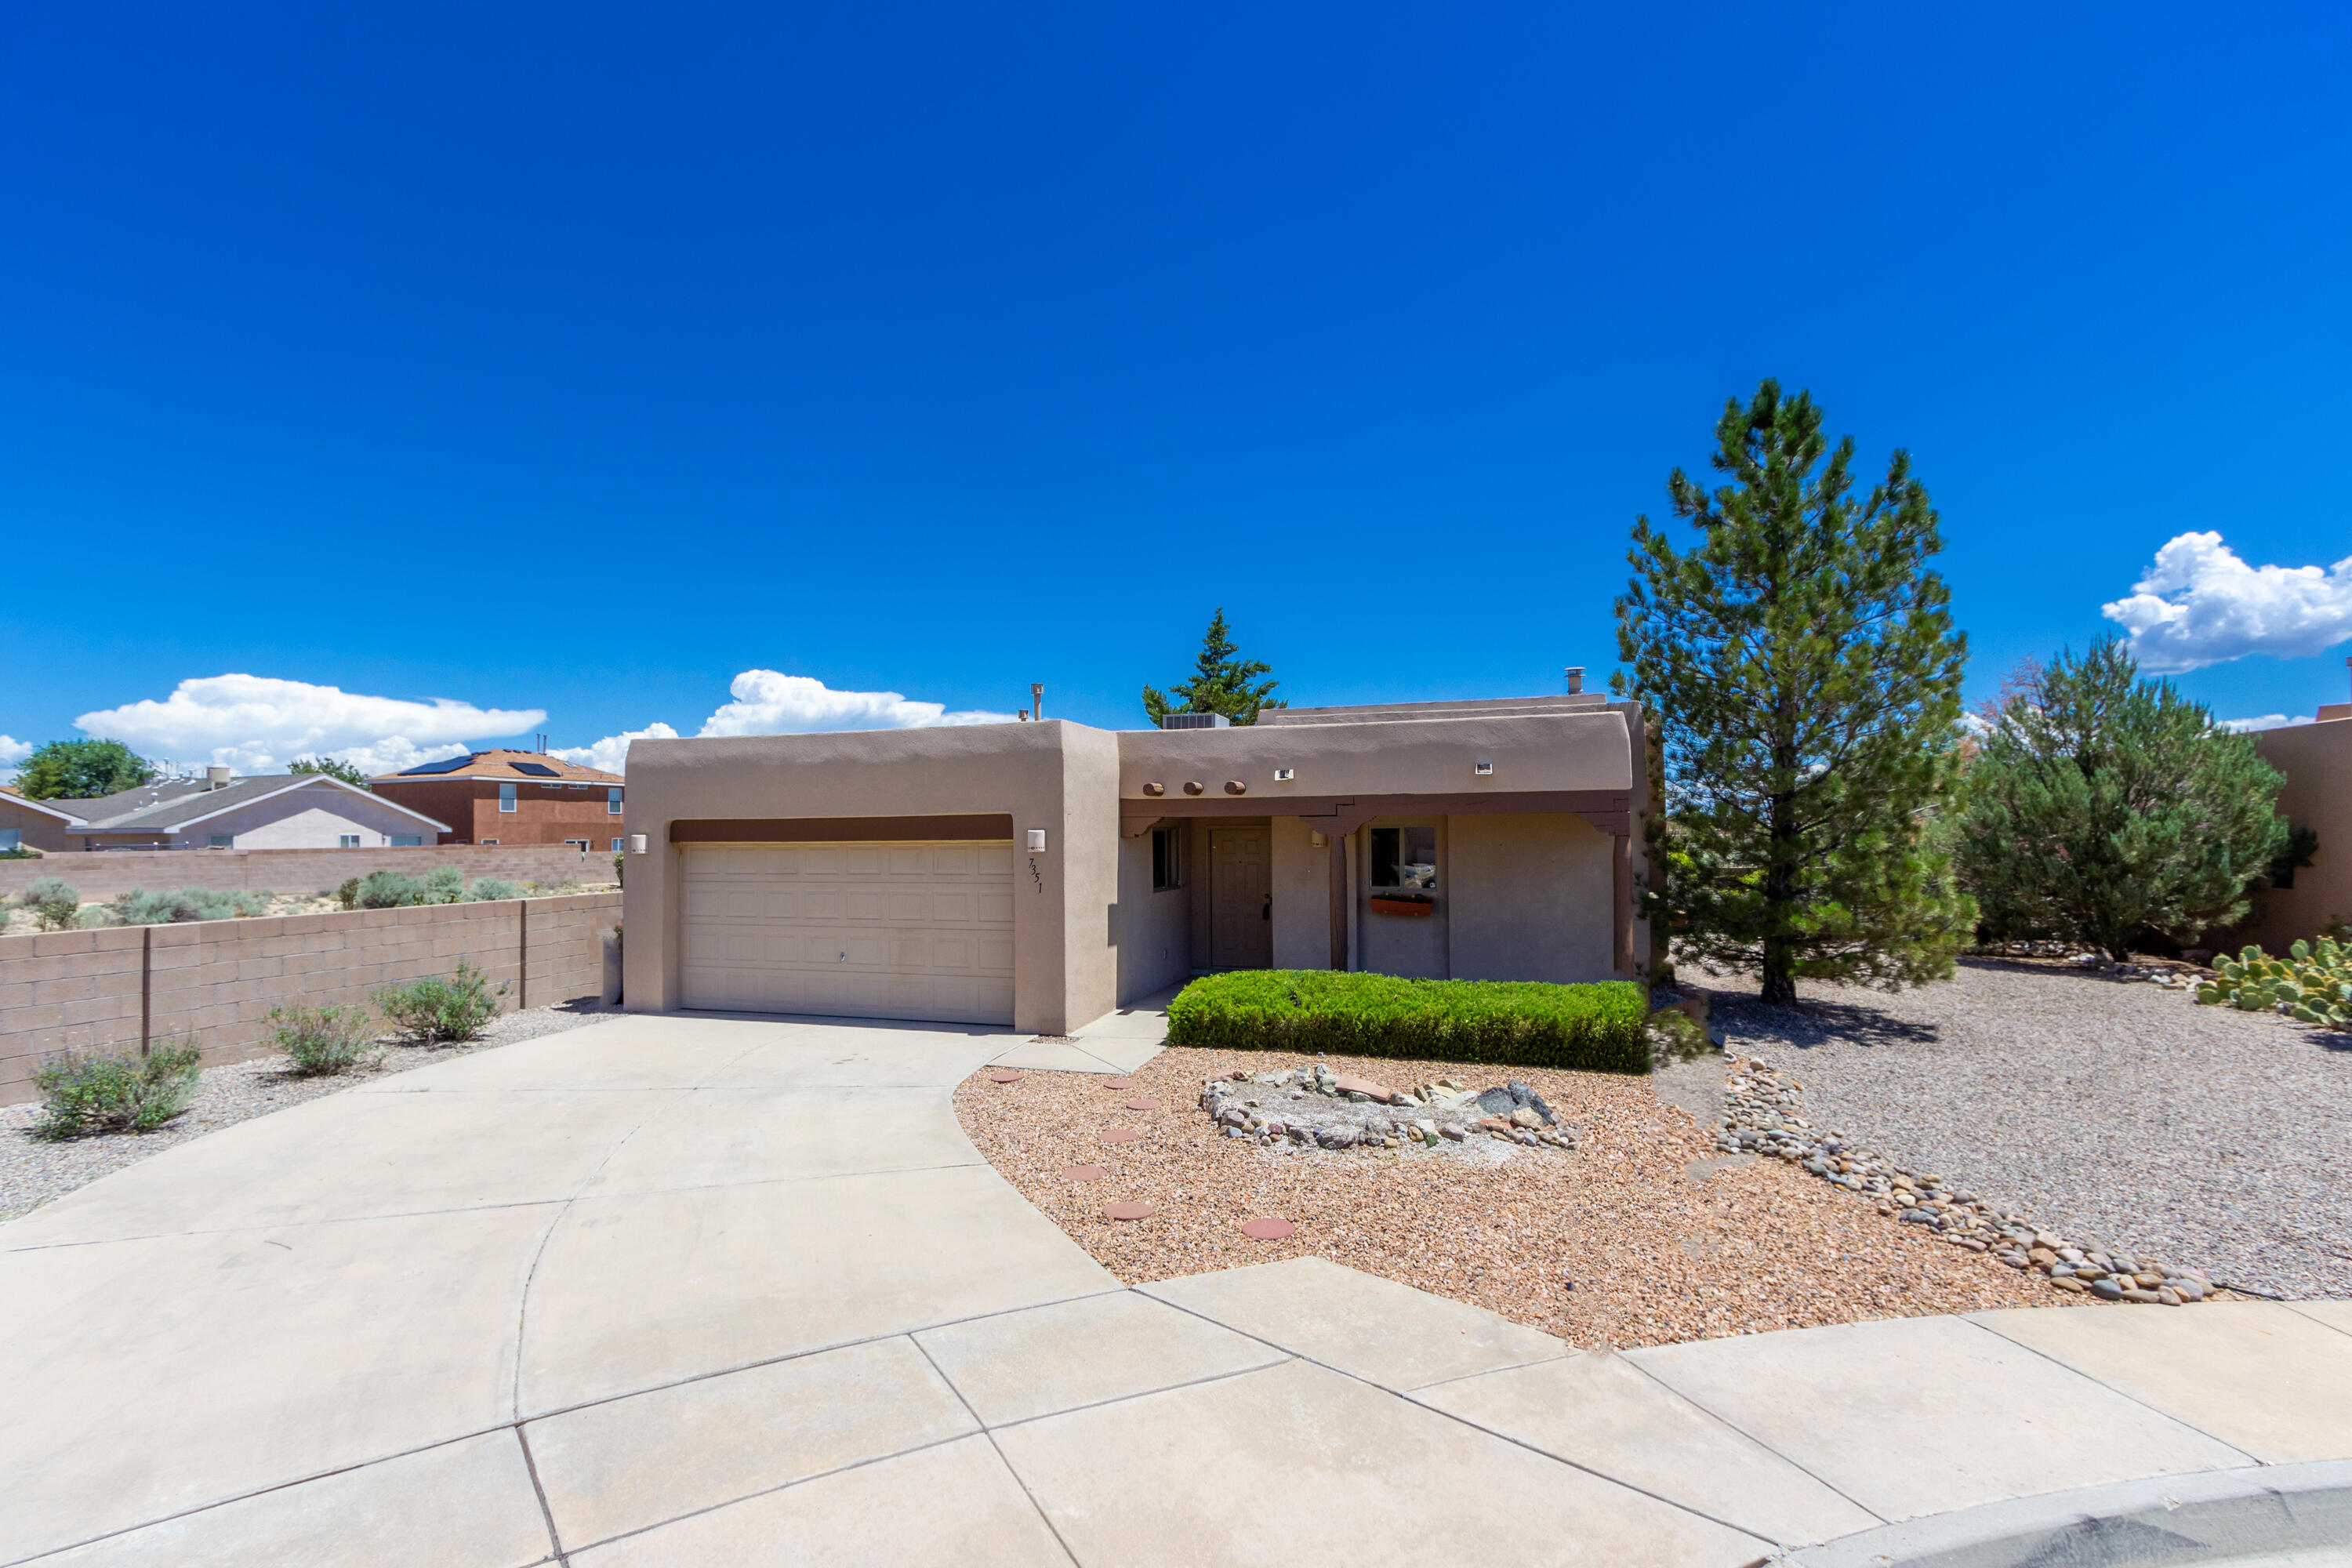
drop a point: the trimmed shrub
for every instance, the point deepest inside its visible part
(436, 1011)
(54, 900)
(115, 1092)
(348, 894)
(444, 885)
(170, 906)
(489, 889)
(321, 1040)
(1600, 1028)
(389, 891)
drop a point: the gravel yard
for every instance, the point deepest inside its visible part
(32, 1172)
(2114, 1110)
(1642, 1236)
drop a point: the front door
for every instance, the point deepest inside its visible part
(1241, 903)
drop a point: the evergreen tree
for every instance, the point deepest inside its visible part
(2103, 806)
(1800, 669)
(333, 768)
(1220, 684)
(77, 770)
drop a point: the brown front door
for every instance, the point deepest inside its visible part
(1241, 905)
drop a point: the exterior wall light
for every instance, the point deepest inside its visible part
(636, 843)
(1037, 841)
(1284, 776)
(1484, 770)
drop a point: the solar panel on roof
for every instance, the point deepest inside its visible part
(447, 765)
(539, 769)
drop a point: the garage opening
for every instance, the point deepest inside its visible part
(909, 929)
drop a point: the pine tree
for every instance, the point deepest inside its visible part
(1220, 684)
(1800, 669)
(2103, 806)
(79, 769)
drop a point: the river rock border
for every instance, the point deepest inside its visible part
(1763, 1113)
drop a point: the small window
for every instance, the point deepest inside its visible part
(616, 846)
(347, 841)
(13, 838)
(406, 841)
(490, 841)
(220, 841)
(613, 801)
(579, 844)
(506, 797)
(1404, 858)
(1167, 859)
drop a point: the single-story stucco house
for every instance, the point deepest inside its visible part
(1041, 875)
(219, 811)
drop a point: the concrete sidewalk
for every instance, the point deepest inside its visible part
(701, 1290)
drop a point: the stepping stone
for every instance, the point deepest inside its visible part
(1268, 1229)
(1120, 1082)
(1085, 1172)
(1004, 1077)
(1143, 1105)
(1119, 1135)
(1127, 1211)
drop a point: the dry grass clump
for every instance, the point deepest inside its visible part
(1635, 1238)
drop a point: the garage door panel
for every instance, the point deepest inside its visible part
(894, 930)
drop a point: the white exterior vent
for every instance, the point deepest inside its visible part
(1196, 721)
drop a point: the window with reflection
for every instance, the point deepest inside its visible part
(1404, 858)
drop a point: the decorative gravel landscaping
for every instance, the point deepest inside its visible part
(33, 1172)
(2115, 1112)
(1641, 1235)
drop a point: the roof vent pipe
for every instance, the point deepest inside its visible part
(217, 778)
(1575, 679)
(1036, 701)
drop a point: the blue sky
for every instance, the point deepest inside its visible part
(587, 361)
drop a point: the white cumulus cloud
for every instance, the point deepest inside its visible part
(13, 750)
(2199, 604)
(768, 702)
(2264, 722)
(256, 725)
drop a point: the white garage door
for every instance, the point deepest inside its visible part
(851, 931)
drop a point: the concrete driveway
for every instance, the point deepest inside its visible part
(708, 1290)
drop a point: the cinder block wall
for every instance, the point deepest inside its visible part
(218, 979)
(99, 877)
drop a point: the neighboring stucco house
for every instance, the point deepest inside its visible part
(513, 797)
(35, 824)
(2317, 762)
(1041, 874)
(221, 811)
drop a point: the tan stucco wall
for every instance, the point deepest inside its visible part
(310, 818)
(1531, 898)
(1302, 897)
(1576, 751)
(2317, 762)
(1155, 930)
(40, 830)
(1052, 776)
(1414, 946)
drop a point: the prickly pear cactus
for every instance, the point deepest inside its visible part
(2313, 983)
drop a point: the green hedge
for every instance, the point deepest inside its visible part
(1511, 1023)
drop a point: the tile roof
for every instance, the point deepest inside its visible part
(507, 766)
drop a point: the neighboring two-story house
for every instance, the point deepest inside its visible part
(512, 797)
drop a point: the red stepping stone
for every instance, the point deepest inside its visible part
(1127, 1211)
(1143, 1105)
(1004, 1077)
(1119, 1135)
(1121, 1082)
(1085, 1172)
(1269, 1228)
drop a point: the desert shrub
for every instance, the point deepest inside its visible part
(1511, 1023)
(139, 907)
(348, 894)
(54, 901)
(115, 1092)
(1675, 1034)
(435, 1010)
(2313, 983)
(444, 885)
(564, 889)
(487, 889)
(389, 891)
(319, 1040)
(19, 853)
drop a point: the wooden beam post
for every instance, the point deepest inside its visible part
(1339, 844)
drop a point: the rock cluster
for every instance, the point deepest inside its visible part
(1764, 1114)
(2173, 977)
(1314, 1107)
